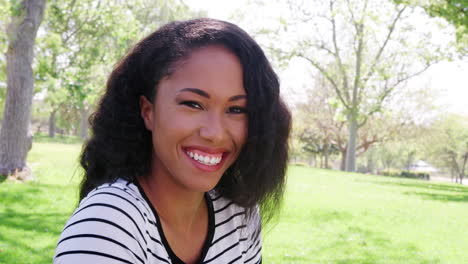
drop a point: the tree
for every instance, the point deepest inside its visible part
(84, 40)
(453, 11)
(4, 19)
(449, 144)
(364, 49)
(322, 119)
(318, 145)
(15, 138)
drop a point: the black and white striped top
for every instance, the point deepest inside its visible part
(116, 223)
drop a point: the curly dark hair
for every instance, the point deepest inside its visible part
(121, 147)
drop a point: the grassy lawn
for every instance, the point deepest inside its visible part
(336, 217)
(328, 217)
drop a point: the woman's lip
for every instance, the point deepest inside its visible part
(206, 149)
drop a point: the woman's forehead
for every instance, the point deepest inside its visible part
(211, 68)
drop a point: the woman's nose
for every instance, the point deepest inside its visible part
(213, 128)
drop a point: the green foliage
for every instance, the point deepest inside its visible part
(453, 11)
(399, 153)
(15, 7)
(4, 20)
(391, 172)
(448, 145)
(81, 37)
(316, 144)
(81, 42)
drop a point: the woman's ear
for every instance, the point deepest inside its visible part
(146, 111)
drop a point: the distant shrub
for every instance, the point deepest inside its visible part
(406, 174)
(298, 163)
(59, 138)
(391, 173)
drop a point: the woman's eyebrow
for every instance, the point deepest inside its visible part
(196, 91)
(205, 94)
(237, 97)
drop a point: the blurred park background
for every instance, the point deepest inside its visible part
(377, 89)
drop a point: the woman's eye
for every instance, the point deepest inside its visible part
(192, 104)
(237, 110)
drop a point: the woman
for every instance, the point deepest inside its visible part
(189, 146)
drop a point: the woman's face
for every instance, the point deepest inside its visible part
(198, 120)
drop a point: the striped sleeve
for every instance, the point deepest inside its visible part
(105, 228)
(253, 250)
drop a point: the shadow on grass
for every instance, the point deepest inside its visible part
(440, 196)
(329, 216)
(51, 223)
(31, 236)
(30, 222)
(433, 191)
(428, 186)
(363, 246)
(32, 194)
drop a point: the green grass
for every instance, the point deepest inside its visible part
(32, 214)
(328, 216)
(336, 217)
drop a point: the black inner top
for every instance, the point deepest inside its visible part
(209, 237)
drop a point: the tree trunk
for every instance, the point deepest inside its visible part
(76, 127)
(52, 123)
(326, 154)
(351, 149)
(84, 122)
(15, 137)
(462, 172)
(370, 165)
(343, 160)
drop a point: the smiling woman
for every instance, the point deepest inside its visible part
(188, 153)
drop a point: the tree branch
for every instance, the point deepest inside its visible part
(337, 53)
(382, 48)
(327, 76)
(413, 74)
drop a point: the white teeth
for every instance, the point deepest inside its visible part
(204, 159)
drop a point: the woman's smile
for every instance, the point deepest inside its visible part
(206, 159)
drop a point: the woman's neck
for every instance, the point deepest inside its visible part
(177, 207)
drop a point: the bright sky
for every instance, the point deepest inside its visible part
(448, 77)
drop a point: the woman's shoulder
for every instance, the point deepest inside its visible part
(111, 218)
(119, 201)
(121, 189)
